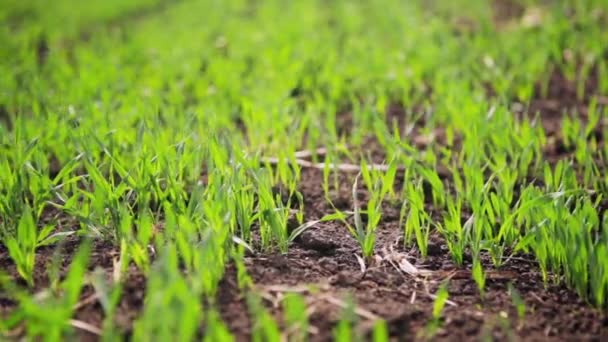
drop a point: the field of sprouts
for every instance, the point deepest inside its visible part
(303, 170)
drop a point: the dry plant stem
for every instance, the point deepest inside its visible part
(321, 151)
(292, 289)
(86, 301)
(358, 310)
(535, 296)
(14, 333)
(339, 167)
(85, 327)
(279, 289)
(361, 262)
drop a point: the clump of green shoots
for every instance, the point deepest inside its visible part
(417, 221)
(457, 235)
(378, 185)
(169, 290)
(48, 314)
(272, 215)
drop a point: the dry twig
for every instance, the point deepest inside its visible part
(340, 167)
(84, 326)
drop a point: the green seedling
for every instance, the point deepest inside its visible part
(518, 302)
(344, 330)
(457, 234)
(361, 231)
(479, 276)
(296, 319)
(417, 221)
(216, 329)
(22, 246)
(441, 298)
(109, 295)
(380, 332)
